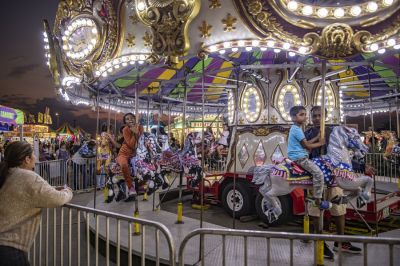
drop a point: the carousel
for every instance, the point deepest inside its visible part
(243, 62)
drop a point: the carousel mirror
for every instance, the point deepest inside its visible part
(289, 96)
(251, 102)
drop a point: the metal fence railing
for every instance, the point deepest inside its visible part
(215, 165)
(54, 172)
(78, 174)
(75, 235)
(270, 250)
(387, 169)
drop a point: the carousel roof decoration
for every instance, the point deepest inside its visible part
(158, 48)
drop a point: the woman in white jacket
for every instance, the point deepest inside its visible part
(22, 195)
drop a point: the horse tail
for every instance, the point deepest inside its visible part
(262, 174)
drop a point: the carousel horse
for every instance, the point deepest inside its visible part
(392, 150)
(185, 160)
(144, 167)
(280, 179)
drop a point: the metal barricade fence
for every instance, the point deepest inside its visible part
(82, 174)
(246, 235)
(69, 235)
(387, 170)
(54, 172)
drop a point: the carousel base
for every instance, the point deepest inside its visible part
(256, 248)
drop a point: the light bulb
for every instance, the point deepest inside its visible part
(372, 6)
(292, 5)
(307, 10)
(391, 42)
(374, 47)
(322, 12)
(355, 11)
(339, 12)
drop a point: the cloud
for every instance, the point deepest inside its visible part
(16, 59)
(20, 71)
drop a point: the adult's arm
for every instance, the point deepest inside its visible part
(42, 195)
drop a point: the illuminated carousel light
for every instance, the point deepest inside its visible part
(222, 51)
(44, 34)
(65, 47)
(249, 48)
(338, 13)
(292, 54)
(213, 48)
(355, 11)
(322, 12)
(64, 38)
(227, 44)
(104, 74)
(141, 62)
(116, 66)
(235, 49)
(94, 30)
(397, 46)
(286, 46)
(374, 47)
(302, 50)
(124, 64)
(391, 42)
(270, 43)
(292, 5)
(255, 43)
(97, 73)
(277, 51)
(141, 6)
(372, 6)
(387, 2)
(381, 51)
(263, 48)
(241, 43)
(307, 10)
(110, 69)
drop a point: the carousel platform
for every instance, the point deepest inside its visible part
(303, 253)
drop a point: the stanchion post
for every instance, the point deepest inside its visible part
(179, 219)
(320, 243)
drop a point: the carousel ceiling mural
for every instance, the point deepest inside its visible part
(164, 50)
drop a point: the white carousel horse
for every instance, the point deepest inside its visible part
(280, 179)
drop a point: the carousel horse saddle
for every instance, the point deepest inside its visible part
(295, 174)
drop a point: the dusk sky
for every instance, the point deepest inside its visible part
(25, 80)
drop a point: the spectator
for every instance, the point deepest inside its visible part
(62, 153)
(22, 195)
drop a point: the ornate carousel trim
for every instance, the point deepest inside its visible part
(337, 40)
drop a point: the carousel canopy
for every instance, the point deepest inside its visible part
(111, 51)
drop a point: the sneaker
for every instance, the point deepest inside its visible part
(132, 191)
(328, 254)
(347, 247)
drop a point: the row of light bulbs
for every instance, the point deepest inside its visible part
(296, 96)
(69, 80)
(71, 28)
(46, 48)
(380, 47)
(251, 116)
(341, 109)
(331, 102)
(336, 12)
(263, 45)
(117, 63)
